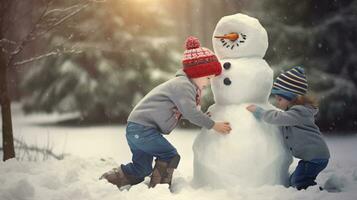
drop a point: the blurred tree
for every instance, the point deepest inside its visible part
(46, 17)
(102, 81)
(126, 51)
(322, 37)
(333, 55)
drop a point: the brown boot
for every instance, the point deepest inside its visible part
(117, 177)
(163, 171)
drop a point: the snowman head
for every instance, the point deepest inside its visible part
(237, 36)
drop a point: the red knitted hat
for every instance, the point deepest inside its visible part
(199, 61)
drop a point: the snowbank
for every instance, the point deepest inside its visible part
(77, 178)
(95, 150)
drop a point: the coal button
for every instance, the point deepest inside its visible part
(227, 65)
(227, 81)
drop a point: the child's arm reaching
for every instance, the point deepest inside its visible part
(185, 100)
(280, 118)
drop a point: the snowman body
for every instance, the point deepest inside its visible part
(253, 154)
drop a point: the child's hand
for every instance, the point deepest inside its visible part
(208, 114)
(222, 127)
(252, 108)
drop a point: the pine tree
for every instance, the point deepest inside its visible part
(321, 37)
(125, 52)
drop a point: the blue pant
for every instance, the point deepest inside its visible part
(145, 143)
(306, 173)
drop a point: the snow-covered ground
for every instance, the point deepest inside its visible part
(94, 150)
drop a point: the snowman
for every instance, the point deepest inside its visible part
(253, 153)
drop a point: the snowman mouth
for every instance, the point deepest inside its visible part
(227, 81)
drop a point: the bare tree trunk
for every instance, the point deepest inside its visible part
(7, 136)
(5, 103)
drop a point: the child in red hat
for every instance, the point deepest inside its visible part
(159, 112)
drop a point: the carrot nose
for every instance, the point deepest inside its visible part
(231, 36)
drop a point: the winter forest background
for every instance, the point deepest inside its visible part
(98, 58)
(72, 70)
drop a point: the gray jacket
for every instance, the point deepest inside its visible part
(159, 107)
(301, 135)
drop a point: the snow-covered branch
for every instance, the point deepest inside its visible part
(65, 18)
(27, 38)
(7, 41)
(34, 33)
(60, 10)
(49, 54)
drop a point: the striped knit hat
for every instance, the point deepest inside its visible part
(199, 61)
(291, 83)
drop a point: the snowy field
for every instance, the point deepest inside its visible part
(94, 150)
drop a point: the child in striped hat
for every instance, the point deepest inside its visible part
(296, 123)
(158, 113)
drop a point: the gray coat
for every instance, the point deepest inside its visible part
(301, 135)
(159, 107)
